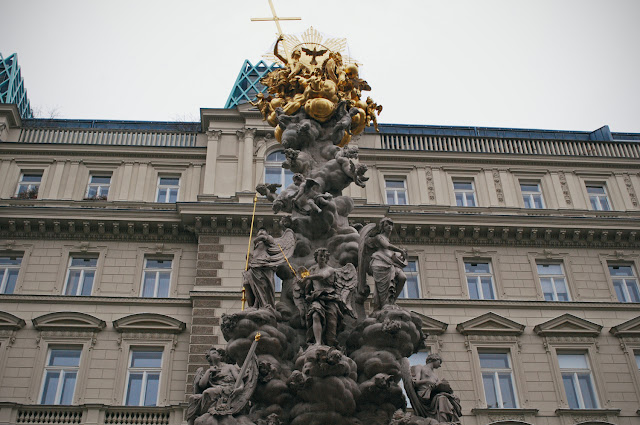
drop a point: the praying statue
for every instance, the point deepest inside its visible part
(379, 258)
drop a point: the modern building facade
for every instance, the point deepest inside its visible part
(123, 243)
(12, 88)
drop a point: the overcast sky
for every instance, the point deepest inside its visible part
(560, 64)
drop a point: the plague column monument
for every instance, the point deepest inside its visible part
(319, 357)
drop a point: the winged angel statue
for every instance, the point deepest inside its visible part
(323, 296)
(268, 254)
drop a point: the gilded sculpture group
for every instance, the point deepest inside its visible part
(317, 88)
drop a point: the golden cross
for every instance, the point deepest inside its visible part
(275, 18)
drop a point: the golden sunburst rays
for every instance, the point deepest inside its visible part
(314, 47)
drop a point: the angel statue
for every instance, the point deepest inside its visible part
(218, 391)
(379, 258)
(430, 396)
(324, 297)
(268, 254)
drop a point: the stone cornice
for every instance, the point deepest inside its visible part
(420, 225)
(93, 300)
(178, 155)
(372, 156)
(412, 304)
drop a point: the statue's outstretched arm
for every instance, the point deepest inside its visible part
(276, 53)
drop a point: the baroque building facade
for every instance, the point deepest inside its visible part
(123, 243)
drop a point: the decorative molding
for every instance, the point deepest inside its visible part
(10, 322)
(431, 326)
(431, 189)
(628, 329)
(149, 323)
(214, 135)
(565, 187)
(490, 324)
(632, 192)
(568, 325)
(498, 183)
(588, 416)
(68, 321)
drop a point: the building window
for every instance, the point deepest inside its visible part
(497, 379)
(637, 354)
(80, 275)
(143, 377)
(9, 270)
(625, 283)
(480, 280)
(578, 384)
(60, 375)
(168, 189)
(465, 193)
(553, 282)
(411, 288)
(274, 173)
(277, 283)
(396, 191)
(598, 197)
(29, 185)
(156, 278)
(98, 187)
(531, 195)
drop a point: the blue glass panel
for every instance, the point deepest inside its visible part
(68, 386)
(487, 288)
(50, 387)
(473, 288)
(87, 285)
(134, 389)
(412, 287)
(92, 192)
(146, 358)
(506, 390)
(73, 282)
(572, 396)
(12, 278)
(490, 391)
(163, 285)
(149, 285)
(151, 394)
(613, 270)
(617, 285)
(173, 196)
(101, 179)
(84, 262)
(162, 195)
(31, 178)
(586, 388)
(494, 360)
(10, 261)
(158, 264)
(169, 181)
(64, 357)
(633, 291)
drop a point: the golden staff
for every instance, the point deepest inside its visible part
(303, 274)
(246, 266)
(287, 260)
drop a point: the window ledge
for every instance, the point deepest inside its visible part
(602, 412)
(488, 411)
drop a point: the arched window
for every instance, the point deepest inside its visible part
(273, 171)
